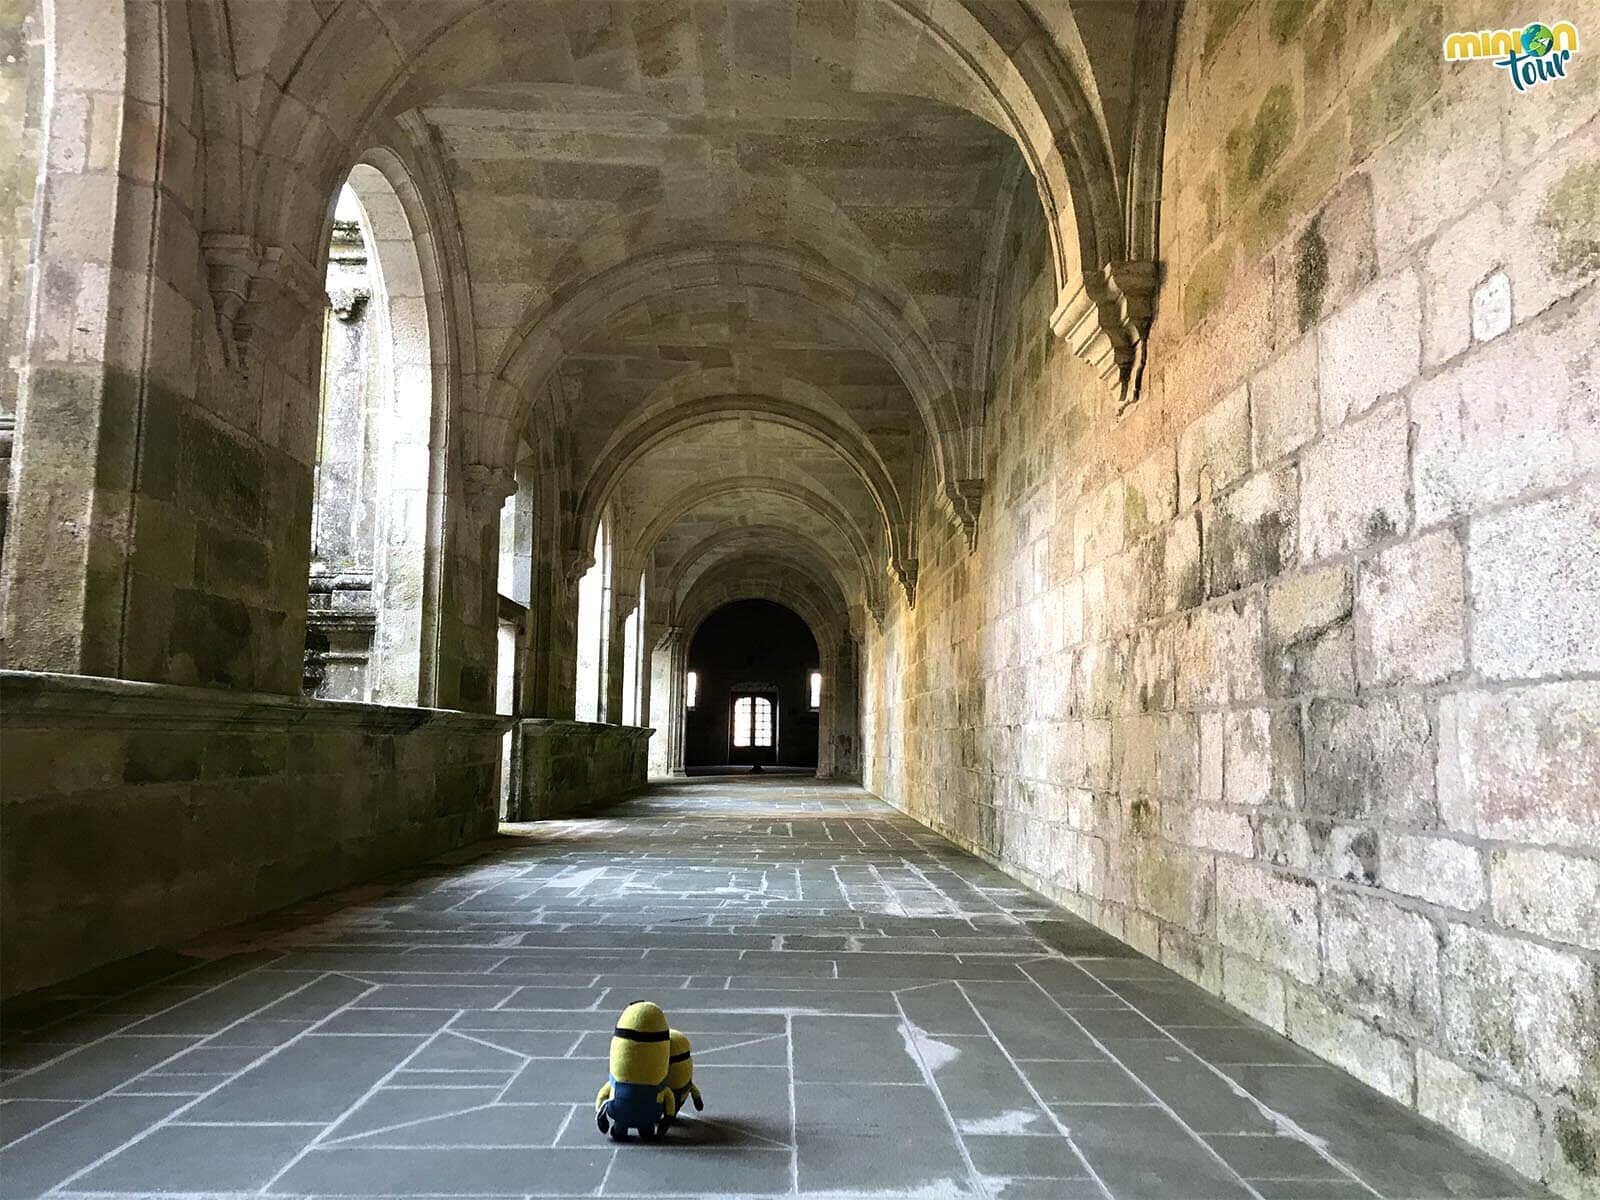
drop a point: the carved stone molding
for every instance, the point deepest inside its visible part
(1105, 322)
(485, 488)
(255, 289)
(905, 571)
(966, 501)
(575, 565)
(348, 303)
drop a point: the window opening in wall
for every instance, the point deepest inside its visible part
(507, 574)
(506, 701)
(691, 690)
(633, 662)
(341, 604)
(814, 690)
(511, 638)
(368, 636)
(593, 599)
(752, 722)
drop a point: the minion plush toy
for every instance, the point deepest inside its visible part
(680, 1073)
(637, 1096)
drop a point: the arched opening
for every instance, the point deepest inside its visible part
(752, 661)
(366, 628)
(594, 621)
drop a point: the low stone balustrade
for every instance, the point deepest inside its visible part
(576, 766)
(137, 814)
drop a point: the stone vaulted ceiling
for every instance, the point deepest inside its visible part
(734, 258)
(731, 417)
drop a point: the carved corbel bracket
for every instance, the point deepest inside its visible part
(575, 565)
(484, 489)
(348, 303)
(905, 572)
(256, 289)
(1106, 320)
(965, 497)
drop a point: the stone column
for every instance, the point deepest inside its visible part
(669, 661)
(623, 602)
(662, 640)
(483, 492)
(829, 666)
(839, 726)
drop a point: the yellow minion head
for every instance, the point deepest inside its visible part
(639, 1045)
(680, 1068)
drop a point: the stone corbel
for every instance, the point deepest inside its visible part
(575, 565)
(484, 489)
(905, 571)
(256, 289)
(1106, 321)
(348, 303)
(965, 497)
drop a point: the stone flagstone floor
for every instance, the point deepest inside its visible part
(874, 1014)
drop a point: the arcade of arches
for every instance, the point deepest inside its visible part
(1175, 425)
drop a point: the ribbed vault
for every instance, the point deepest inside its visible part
(779, 190)
(730, 269)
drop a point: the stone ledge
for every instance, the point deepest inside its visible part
(30, 699)
(576, 766)
(554, 726)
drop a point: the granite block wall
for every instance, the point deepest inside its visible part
(134, 815)
(1286, 673)
(572, 767)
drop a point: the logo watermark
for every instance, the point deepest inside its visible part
(1537, 53)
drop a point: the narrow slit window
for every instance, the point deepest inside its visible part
(692, 690)
(815, 691)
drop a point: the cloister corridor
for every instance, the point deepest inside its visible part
(1029, 568)
(873, 1012)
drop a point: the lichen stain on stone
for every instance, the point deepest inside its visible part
(1143, 816)
(1571, 215)
(1272, 132)
(1287, 17)
(1224, 15)
(1310, 274)
(1580, 1145)
(1327, 44)
(1379, 526)
(1135, 511)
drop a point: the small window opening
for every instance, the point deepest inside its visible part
(752, 722)
(594, 601)
(692, 690)
(815, 691)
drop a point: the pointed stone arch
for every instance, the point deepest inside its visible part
(685, 502)
(671, 417)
